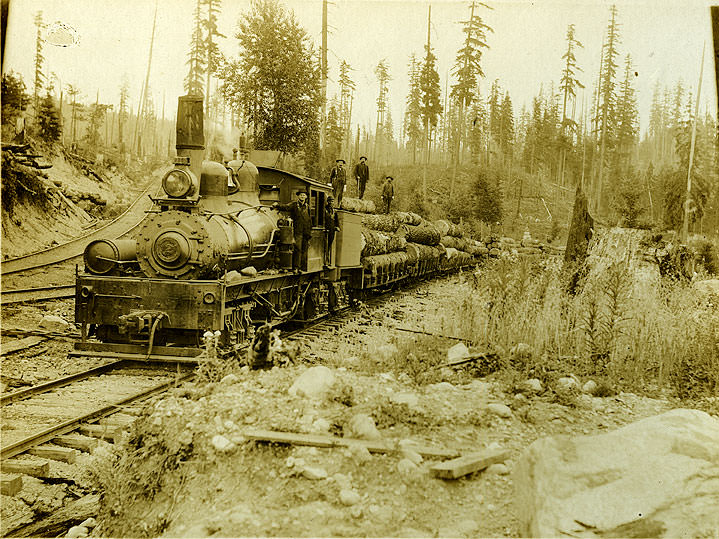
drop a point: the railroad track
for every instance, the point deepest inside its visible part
(23, 295)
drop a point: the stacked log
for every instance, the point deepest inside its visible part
(448, 229)
(426, 234)
(378, 243)
(458, 243)
(387, 263)
(358, 205)
(387, 222)
(409, 218)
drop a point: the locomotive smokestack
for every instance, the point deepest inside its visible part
(190, 133)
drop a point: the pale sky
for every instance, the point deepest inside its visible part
(664, 38)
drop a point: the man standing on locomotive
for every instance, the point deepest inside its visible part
(299, 211)
(332, 224)
(361, 174)
(338, 179)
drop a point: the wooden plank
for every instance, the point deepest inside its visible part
(103, 432)
(74, 441)
(63, 454)
(20, 344)
(468, 464)
(57, 523)
(10, 484)
(320, 440)
(27, 467)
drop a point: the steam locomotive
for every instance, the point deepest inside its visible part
(213, 254)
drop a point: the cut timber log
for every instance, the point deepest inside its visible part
(467, 464)
(27, 467)
(426, 234)
(63, 454)
(319, 440)
(73, 441)
(20, 344)
(10, 484)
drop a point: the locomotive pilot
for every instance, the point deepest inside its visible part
(299, 211)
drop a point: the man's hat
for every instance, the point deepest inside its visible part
(363, 157)
(389, 178)
(301, 192)
(330, 197)
(340, 161)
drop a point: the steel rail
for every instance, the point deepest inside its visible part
(47, 386)
(20, 295)
(72, 424)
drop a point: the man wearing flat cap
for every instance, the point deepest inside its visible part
(387, 193)
(299, 211)
(338, 179)
(361, 174)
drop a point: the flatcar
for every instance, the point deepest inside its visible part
(214, 254)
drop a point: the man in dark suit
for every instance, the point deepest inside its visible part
(332, 224)
(299, 211)
(388, 193)
(338, 179)
(361, 174)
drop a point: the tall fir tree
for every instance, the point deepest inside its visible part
(506, 127)
(122, 112)
(412, 124)
(197, 59)
(383, 78)
(49, 125)
(212, 51)
(430, 106)
(39, 60)
(627, 120)
(568, 87)
(347, 87)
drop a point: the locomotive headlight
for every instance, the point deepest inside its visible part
(177, 183)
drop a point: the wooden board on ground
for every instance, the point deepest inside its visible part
(320, 440)
(63, 454)
(103, 432)
(10, 484)
(64, 518)
(27, 467)
(467, 464)
(74, 441)
(20, 344)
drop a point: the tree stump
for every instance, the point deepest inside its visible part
(580, 233)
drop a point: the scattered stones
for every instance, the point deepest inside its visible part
(362, 426)
(410, 399)
(502, 410)
(359, 453)
(533, 385)
(78, 531)
(230, 379)
(53, 322)
(314, 472)
(498, 469)
(568, 383)
(321, 425)
(457, 352)
(590, 387)
(349, 497)
(220, 443)
(314, 383)
(656, 477)
(406, 467)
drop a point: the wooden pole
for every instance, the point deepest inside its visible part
(685, 225)
(143, 93)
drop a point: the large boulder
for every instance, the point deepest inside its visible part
(314, 383)
(658, 477)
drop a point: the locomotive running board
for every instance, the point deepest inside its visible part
(136, 352)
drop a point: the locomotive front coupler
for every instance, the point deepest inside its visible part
(140, 321)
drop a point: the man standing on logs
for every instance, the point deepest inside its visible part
(338, 179)
(299, 211)
(387, 193)
(332, 224)
(361, 174)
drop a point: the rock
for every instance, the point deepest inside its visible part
(498, 469)
(590, 387)
(457, 352)
(222, 444)
(362, 426)
(349, 497)
(78, 531)
(406, 467)
(567, 383)
(314, 472)
(658, 477)
(502, 410)
(53, 322)
(410, 399)
(533, 385)
(249, 271)
(412, 456)
(359, 453)
(89, 523)
(321, 425)
(441, 387)
(230, 379)
(520, 398)
(314, 383)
